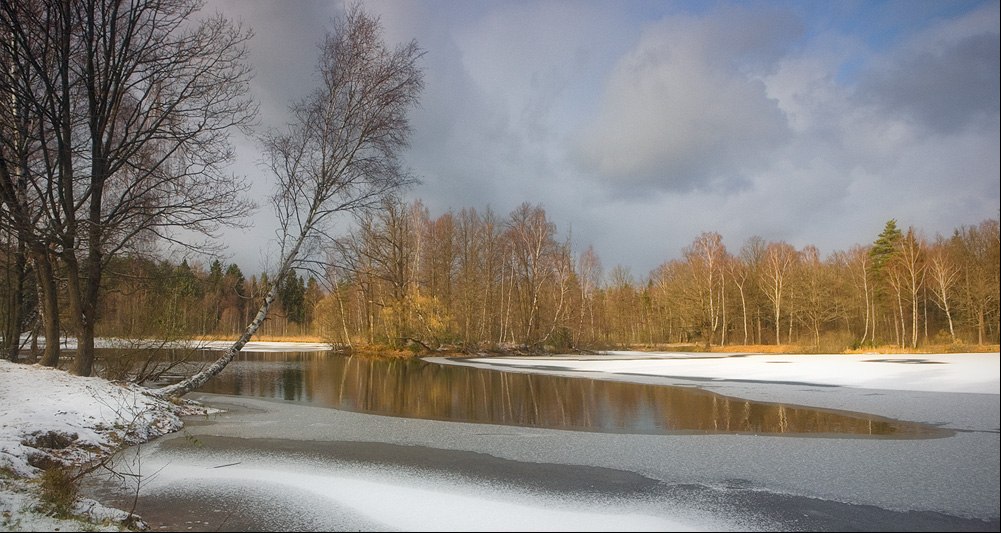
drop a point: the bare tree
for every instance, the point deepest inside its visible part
(480, 276)
(911, 261)
(589, 274)
(339, 155)
(622, 309)
(752, 255)
(563, 275)
(533, 252)
(858, 262)
(944, 274)
(471, 287)
(779, 259)
(816, 302)
(706, 258)
(131, 105)
(26, 187)
(979, 286)
(384, 243)
(740, 273)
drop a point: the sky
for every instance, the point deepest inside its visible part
(639, 125)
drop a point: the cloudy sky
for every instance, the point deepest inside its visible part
(638, 125)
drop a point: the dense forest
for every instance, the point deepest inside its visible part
(473, 280)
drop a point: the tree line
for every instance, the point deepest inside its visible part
(472, 280)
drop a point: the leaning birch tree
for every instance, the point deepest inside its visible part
(338, 155)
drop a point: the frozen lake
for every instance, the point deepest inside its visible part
(268, 463)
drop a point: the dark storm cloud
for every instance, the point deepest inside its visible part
(284, 50)
(946, 89)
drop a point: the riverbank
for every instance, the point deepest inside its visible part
(54, 421)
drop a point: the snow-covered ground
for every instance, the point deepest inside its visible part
(47, 415)
(70, 343)
(85, 419)
(316, 481)
(958, 372)
(267, 346)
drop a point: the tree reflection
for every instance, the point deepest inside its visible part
(415, 389)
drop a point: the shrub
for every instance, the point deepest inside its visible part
(59, 491)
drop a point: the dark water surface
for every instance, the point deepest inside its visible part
(413, 388)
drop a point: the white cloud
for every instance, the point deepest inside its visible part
(686, 108)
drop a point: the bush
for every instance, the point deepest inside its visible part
(562, 341)
(59, 491)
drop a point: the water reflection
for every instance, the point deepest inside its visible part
(415, 389)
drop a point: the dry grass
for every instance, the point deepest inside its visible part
(760, 348)
(384, 351)
(931, 348)
(806, 349)
(59, 489)
(887, 349)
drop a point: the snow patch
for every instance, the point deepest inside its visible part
(50, 417)
(959, 372)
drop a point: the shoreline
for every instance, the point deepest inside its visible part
(356, 452)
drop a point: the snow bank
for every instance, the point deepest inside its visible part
(70, 343)
(960, 372)
(266, 346)
(49, 415)
(17, 499)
